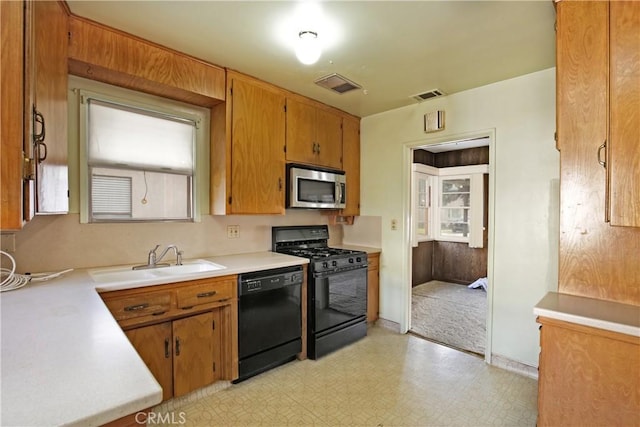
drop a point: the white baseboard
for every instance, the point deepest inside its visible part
(388, 324)
(514, 366)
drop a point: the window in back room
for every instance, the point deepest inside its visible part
(139, 156)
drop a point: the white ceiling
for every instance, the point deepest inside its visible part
(393, 49)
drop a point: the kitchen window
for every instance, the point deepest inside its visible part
(138, 157)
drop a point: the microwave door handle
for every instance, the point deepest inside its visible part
(338, 192)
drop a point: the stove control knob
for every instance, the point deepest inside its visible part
(334, 263)
(350, 260)
(325, 264)
(359, 259)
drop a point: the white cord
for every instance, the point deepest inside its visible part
(11, 280)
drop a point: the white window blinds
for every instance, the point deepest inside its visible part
(137, 139)
(110, 195)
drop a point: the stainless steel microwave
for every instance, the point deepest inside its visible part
(314, 188)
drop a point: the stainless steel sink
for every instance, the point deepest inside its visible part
(126, 274)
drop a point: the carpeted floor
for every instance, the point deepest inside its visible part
(450, 314)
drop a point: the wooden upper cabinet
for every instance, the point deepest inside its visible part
(101, 53)
(329, 138)
(314, 134)
(11, 114)
(623, 146)
(351, 164)
(247, 161)
(597, 259)
(48, 80)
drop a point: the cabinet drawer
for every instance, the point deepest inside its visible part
(139, 305)
(205, 293)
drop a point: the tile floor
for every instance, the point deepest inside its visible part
(386, 379)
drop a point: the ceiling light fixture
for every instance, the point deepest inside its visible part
(308, 48)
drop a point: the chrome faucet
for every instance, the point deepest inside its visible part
(153, 260)
(175, 250)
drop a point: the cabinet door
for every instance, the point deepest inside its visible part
(591, 264)
(49, 79)
(11, 110)
(351, 164)
(154, 345)
(301, 138)
(258, 140)
(623, 155)
(329, 139)
(193, 353)
(587, 376)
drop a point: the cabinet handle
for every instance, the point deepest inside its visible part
(167, 354)
(280, 184)
(318, 148)
(315, 147)
(136, 307)
(178, 346)
(38, 118)
(603, 163)
(39, 147)
(206, 294)
(38, 138)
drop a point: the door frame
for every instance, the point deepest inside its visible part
(407, 219)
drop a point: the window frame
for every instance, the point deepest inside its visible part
(82, 89)
(475, 173)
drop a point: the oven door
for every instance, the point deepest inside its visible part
(337, 298)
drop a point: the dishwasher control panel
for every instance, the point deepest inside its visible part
(267, 280)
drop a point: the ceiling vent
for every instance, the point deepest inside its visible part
(337, 83)
(433, 93)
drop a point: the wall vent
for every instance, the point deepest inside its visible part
(337, 83)
(433, 93)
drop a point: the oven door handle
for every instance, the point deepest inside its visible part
(343, 270)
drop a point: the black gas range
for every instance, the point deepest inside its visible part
(337, 287)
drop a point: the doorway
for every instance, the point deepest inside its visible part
(450, 242)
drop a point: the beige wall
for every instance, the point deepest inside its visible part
(521, 114)
(52, 243)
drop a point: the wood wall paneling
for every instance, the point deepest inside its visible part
(466, 157)
(458, 263)
(424, 157)
(422, 263)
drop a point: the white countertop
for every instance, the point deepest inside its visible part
(601, 314)
(64, 359)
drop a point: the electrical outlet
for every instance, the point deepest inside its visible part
(233, 231)
(394, 224)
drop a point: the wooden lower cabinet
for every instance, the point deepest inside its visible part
(587, 376)
(186, 333)
(154, 345)
(373, 287)
(182, 354)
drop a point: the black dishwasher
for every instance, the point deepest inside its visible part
(269, 319)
